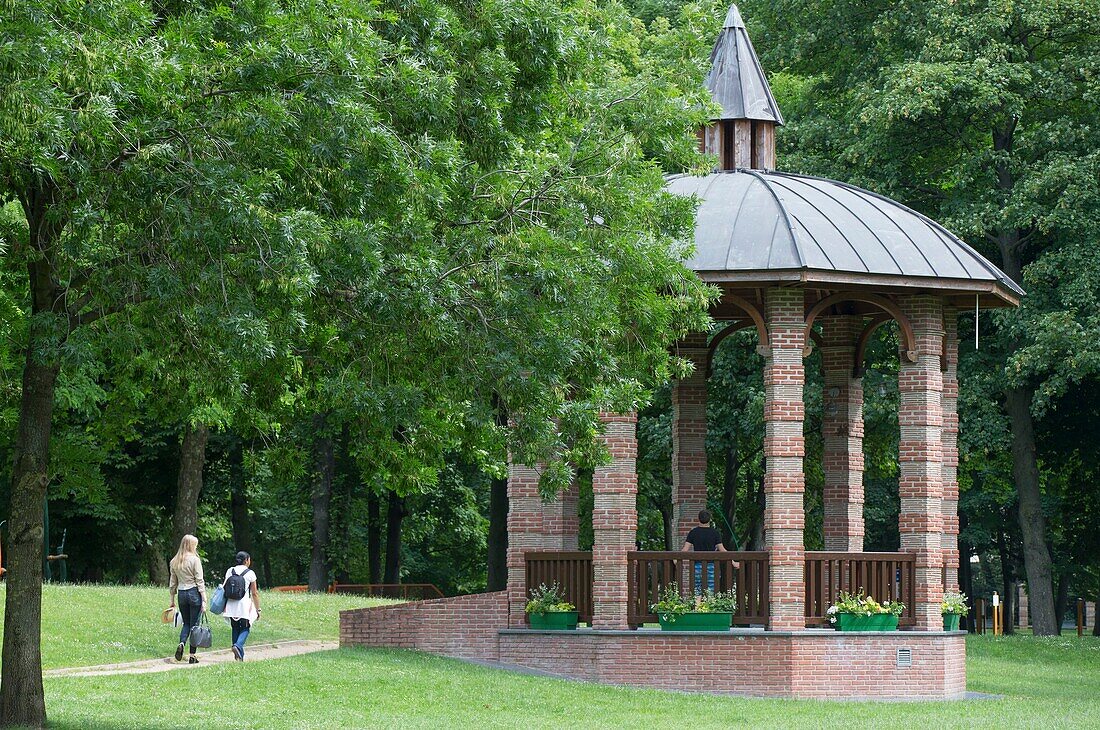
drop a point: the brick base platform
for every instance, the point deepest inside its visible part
(823, 664)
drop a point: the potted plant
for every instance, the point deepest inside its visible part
(548, 609)
(953, 607)
(706, 612)
(860, 612)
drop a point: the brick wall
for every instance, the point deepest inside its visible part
(842, 435)
(689, 440)
(463, 626)
(797, 664)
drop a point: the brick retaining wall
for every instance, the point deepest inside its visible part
(463, 626)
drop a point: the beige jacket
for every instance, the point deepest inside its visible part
(187, 575)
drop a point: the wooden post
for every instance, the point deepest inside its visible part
(1080, 616)
(979, 616)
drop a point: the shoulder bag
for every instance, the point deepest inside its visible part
(201, 636)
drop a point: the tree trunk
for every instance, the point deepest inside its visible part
(1033, 523)
(666, 524)
(21, 699)
(324, 472)
(185, 521)
(729, 496)
(374, 537)
(496, 558)
(157, 563)
(1061, 601)
(238, 498)
(22, 702)
(497, 578)
(1008, 581)
(1025, 470)
(395, 513)
(966, 570)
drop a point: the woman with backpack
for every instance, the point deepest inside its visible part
(242, 605)
(186, 583)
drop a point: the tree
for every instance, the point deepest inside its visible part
(140, 148)
(980, 115)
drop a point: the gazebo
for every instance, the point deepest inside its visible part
(805, 262)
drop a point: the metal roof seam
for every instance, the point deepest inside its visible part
(733, 228)
(860, 220)
(786, 217)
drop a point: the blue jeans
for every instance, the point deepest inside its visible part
(699, 577)
(190, 607)
(241, 627)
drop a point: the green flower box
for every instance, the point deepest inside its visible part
(874, 622)
(697, 622)
(951, 622)
(554, 620)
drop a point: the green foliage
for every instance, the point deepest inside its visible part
(671, 604)
(860, 604)
(954, 603)
(548, 599)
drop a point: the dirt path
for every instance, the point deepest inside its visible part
(206, 658)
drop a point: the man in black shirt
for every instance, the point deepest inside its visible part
(704, 539)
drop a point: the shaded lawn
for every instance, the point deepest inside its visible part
(98, 624)
(1046, 683)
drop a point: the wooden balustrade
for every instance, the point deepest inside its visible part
(883, 576)
(572, 571)
(650, 572)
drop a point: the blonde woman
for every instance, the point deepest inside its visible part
(187, 584)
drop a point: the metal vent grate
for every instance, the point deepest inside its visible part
(905, 658)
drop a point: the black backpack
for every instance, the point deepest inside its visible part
(235, 586)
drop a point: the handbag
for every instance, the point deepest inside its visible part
(217, 601)
(201, 635)
(168, 615)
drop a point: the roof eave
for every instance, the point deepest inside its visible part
(991, 293)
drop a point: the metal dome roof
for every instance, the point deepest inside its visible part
(757, 222)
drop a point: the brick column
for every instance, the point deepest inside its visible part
(784, 447)
(920, 456)
(524, 533)
(614, 521)
(1021, 601)
(560, 521)
(842, 435)
(689, 440)
(950, 441)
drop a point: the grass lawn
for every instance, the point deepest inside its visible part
(1045, 683)
(94, 624)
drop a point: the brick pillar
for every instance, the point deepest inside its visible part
(524, 533)
(1021, 601)
(614, 521)
(560, 521)
(784, 447)
(950, 441)
(842, 435)
(689, 440)
(920, 456)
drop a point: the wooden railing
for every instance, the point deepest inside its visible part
(570, 570)
(883, 576)
(649, 572)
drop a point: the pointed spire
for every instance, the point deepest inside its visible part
(736, 81)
